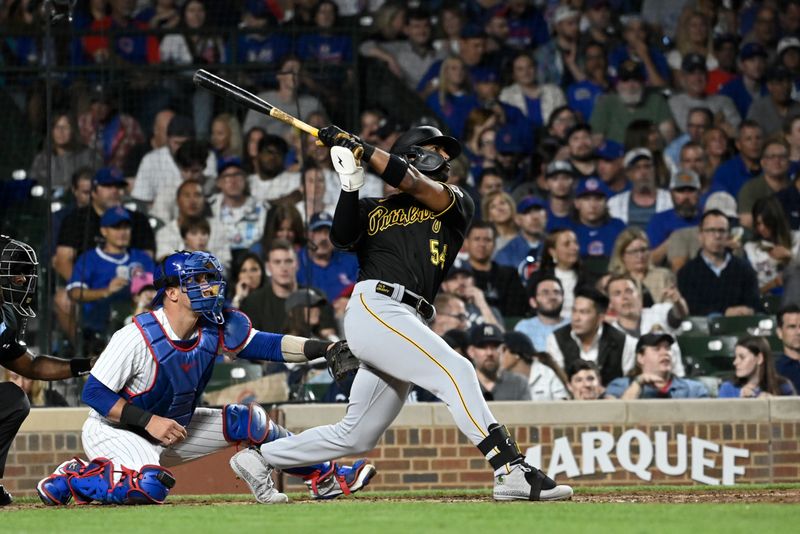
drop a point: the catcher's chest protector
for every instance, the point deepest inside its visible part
(182, 373)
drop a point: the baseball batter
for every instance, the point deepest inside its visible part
(18, 280)
(405, 245)
(147, 383)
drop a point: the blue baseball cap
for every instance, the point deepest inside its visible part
(528, 203)
(108, 176)
(610, 150)
(751, 50)
(224, 163)
(483, 75)
(114, 216)
(506, 142)
(592, 186)
(320, 220)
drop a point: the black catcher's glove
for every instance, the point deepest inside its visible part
(341, 362)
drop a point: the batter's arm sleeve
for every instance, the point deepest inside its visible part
(346, 228)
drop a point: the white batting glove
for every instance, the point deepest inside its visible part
(351, 174)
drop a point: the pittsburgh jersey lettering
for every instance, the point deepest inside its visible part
(382, 218)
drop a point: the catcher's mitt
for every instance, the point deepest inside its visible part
(342, 364)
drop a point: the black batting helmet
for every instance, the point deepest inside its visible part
(18, 275)
(409, 145)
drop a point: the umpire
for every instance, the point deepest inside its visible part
(18, 277)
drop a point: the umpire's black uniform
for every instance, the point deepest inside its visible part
(14, 405)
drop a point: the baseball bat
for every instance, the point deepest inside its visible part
(225, 89)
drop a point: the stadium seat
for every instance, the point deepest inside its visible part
(757, 325)
(597, 265)
(694, 326)
(707, 355)
(510, 322)
(228, 374)
(771, 303)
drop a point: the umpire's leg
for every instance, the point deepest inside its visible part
(14, 408)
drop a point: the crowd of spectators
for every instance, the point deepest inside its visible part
(633, 164)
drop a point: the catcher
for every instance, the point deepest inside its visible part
(146, 385)
(18, 279)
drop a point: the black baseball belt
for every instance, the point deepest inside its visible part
(409, 298)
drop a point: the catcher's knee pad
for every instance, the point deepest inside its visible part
(150, 485)
(247, 423)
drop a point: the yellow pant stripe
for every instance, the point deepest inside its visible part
(423, 351)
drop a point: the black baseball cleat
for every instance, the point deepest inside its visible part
(5, 497)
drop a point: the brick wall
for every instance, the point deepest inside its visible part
(423, 449)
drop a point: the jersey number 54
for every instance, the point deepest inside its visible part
(438, 257)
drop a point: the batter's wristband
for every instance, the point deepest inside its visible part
(80, 366)
(315, 348)
(134, 416)
(369, 150)
(395, 170)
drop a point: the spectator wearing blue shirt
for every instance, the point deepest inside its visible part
(255, 44)
(546, 297)
(652, 377)
(322, 46)
(471, 51)
(101, 277)
(596, 229)
(735, 172)
(527, 28)
(742, 89)
(454, 99)
(787, 364)
(684, 186)
(487, 90)
(610, 168)
(635, 47)
(755, 375)
(560, 179)
(320, 265)
(531, 220)
(790, 200)
(582, 94)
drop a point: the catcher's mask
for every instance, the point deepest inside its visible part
(199, 275)
(18, 275)
(430, 163)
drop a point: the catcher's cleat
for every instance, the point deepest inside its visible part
(340, 480)
(54, 490)
(253, 469)
(5, 497)
(526, 483)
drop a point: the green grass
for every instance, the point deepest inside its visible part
(370, 512)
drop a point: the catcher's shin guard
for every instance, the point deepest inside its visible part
(150, 485)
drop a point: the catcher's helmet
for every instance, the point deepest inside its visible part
(200, 276)
(409, 145)
(18, 275)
